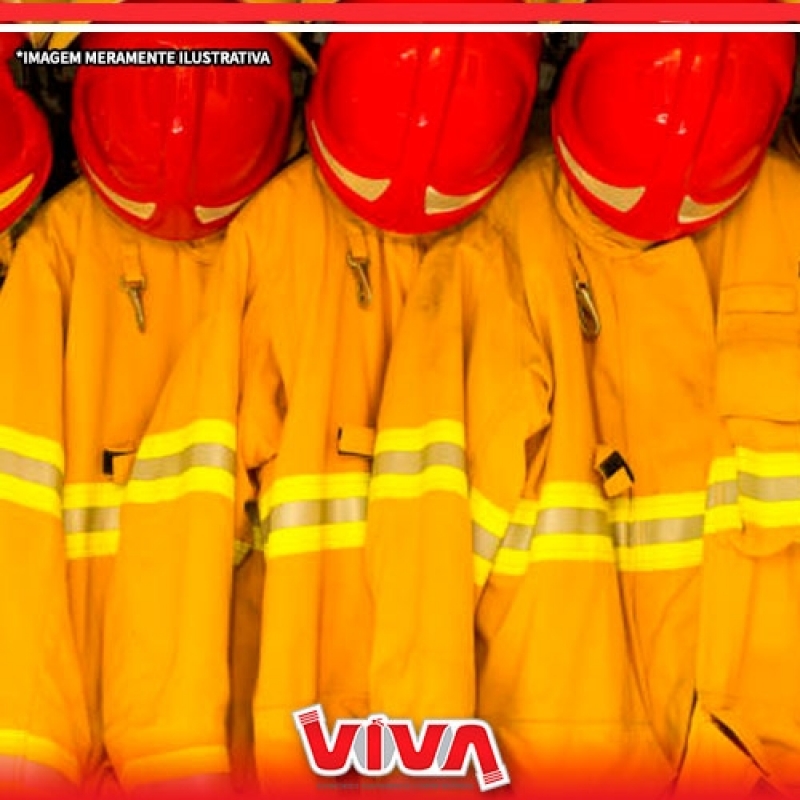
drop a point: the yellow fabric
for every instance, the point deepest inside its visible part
(81, 379)
(587, 616)
(690, 381)
(461, 389)
(289, 358)
(749, 657)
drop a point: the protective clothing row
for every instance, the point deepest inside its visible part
(103, 290)
(274, 407)
(577, 478)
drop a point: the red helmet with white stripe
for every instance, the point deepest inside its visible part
(25, 148)
(661, 134)
(176, 150)
(415, 131)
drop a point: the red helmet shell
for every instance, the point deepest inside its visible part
(26, 154)
(661, 134)
(176, 150)
(415, 131)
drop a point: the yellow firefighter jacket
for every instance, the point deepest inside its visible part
(652, 423)
(96, 313)
(275, 404)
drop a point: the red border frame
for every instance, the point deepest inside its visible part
(419, 12)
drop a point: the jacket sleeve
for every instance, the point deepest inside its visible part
(43, 720)
(463, 394)
(166, 678)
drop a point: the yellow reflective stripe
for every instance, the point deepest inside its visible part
(208, 455)
(768, 465)
(92, 495)
(315, 539)
(412, 462)
(658, 507)
(752, 488)
(643, 533)
(197, 458)
(92, 545)
(208, 480)
(443, 431)
(487, 516)
(91, 519)
(310, 513)
(297, 488)
(38, 448)
(20, 492)
(31, 471)
(205, 431)
(670, 555)
(186, 763)
(22, 744)
(431, 479)
(564, 547)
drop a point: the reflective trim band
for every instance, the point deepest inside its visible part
(431, 479)
(311, 513)
(198, 458)
(206, 431)
(443, 431)
(767, 465)
(38, 448)
(723, 493)
(206, 480)
(316, 512)
(653, 557)
(92, 545)
(562, 547)
(46, 500)
(640, 534)
(214, 456)
(315, 539)
(188, 763)
(412, 462)
(751, 488)
(21, 744)
(91, 519)
(658, 507)
(331, 486)
(31, 471)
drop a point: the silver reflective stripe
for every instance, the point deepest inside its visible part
(414, 462)
(87, 520)
(770, 490)
(197, 455)
(590, 522)
(30, 469)
(301, 513)
(570, 520)
(754, 487)
(724, 493)
(484, 543)
(658, 531)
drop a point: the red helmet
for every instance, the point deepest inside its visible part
(415, 131)
(25, 150)
(176, 150)
(661, 134)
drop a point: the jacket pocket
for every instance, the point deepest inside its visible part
(758, 398)
(758, 355)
